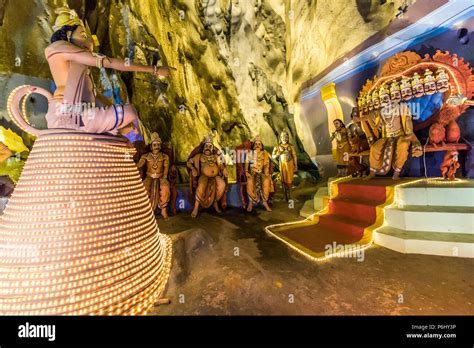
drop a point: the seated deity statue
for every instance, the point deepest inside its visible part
(75, 103)
(207, 168)
(257, 171)
(156, 180)
(394, 121)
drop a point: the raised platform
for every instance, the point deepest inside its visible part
(432, 217)
(423, 216)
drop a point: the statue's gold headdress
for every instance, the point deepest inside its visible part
(405, 83)
(441, 74)
(375, 95)
(66, 16)
(395, 86)
(383, 90)
(368, 97)
(208, 139)
(428, 76)
(155, 137)
(416, 80)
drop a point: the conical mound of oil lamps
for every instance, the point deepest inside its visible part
(78, 235)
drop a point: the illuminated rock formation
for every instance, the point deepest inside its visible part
(240, 63)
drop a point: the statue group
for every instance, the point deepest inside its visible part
(383, 122)
(76, 105)
(386, 118)
(209, 177)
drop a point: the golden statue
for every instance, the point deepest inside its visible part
(343, 147)
(75, 104)
(397, 136)
(357, 137)
(207, 167)
(287, 162)
(156, 181)
(257, 171)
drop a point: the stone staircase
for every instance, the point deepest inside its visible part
(430, 217)
(319, 202)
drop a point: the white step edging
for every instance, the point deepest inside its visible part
(424, 246)
(430, 217)
(434, 221)
(436, 196)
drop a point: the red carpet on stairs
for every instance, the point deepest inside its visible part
(346, 221)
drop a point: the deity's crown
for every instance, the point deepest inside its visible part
(405, 83)
(416, 80)
(257, 138)
(428, 76)
(383, 90)
(155, 137)
(375, 94)
(394, 86)
(441, 74)
(368, 97)
(208, 139)
(66, 16)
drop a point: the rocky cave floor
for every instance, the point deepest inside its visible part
(225, 264)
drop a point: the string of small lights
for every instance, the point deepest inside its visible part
(78, 235)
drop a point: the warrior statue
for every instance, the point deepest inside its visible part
(207, 168)
(285, 153)
(156, 181)
(357, 137)
(74, 104)
(257, 171)
(397, 136)
(343, 147)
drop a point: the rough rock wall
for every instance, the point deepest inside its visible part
(320, 32)
(251, 37)
(199, 96)
(240, 62)
(24, 33)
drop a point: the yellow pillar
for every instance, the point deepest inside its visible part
(333, 107)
